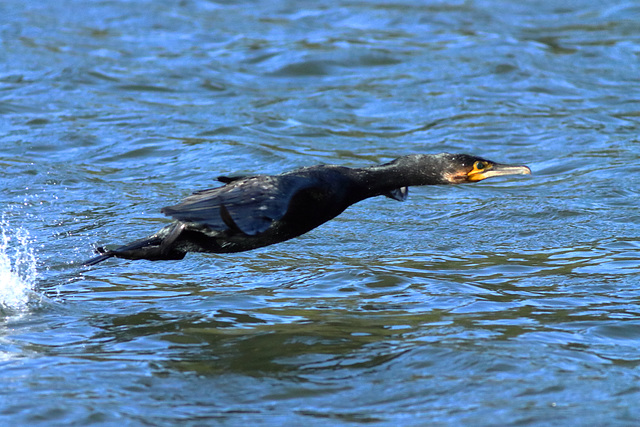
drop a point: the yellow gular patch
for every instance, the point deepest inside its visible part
(478, 171)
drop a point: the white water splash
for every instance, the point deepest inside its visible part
(17, 267)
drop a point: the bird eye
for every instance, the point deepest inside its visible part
(479, 165)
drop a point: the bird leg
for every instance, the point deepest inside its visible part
(153, 248)
(168, 242)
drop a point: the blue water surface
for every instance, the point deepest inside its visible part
(513, 301)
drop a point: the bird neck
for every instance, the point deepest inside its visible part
(406, 171)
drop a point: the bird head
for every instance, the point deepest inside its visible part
(463, 168)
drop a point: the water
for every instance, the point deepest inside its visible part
(17, 267)
(511, 301)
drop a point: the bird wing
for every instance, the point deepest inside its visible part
(246, 204)
(399, 194)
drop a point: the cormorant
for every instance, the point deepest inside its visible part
(249, 212)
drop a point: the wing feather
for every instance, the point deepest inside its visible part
(247, 204)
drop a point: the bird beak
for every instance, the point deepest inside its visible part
(497, 169)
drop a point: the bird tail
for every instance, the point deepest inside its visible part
(137, 250)
(96, 260)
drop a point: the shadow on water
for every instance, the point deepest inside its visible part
(243, 344)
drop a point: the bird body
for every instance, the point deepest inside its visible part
(249, 212)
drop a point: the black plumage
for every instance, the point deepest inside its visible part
(249, 212)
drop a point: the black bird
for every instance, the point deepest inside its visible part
(249, 212)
